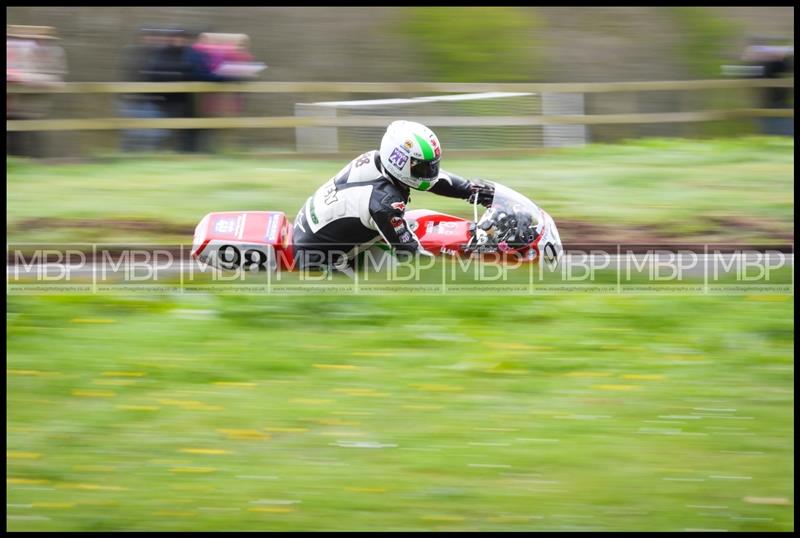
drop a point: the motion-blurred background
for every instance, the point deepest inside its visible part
(170, 410)
(415, 44)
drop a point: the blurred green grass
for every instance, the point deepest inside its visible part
(212, 412)
(678, 187)
(575, 411)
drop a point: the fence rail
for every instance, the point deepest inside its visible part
(286, 122)
(283, 122)
(400, 87)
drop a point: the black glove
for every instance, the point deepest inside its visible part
(484, 192)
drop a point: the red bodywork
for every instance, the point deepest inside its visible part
(439, 233)
(262, 228)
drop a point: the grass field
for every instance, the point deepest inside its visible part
(728, 190)
(380, 413)
(202, 411)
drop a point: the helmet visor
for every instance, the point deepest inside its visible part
(424, 169)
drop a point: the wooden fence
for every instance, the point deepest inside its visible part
(393, 88)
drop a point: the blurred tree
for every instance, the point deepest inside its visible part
(485, 44)
(706, 39)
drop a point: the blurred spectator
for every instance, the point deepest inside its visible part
(228, 57)
(772, 61)
(168, 62)
(135, 61)
(33, 60)
(173, 55)
(178, 60)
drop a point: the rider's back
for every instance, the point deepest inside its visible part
(341, 213)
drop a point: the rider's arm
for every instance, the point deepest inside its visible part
(387, 213)
(454, 186)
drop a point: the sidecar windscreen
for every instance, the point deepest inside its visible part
(512, 221)
(511, 202)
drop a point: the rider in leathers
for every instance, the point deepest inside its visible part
(366, 201)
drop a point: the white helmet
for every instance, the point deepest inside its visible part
(410, 153)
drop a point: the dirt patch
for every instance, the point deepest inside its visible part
(772, 229)
(155, 226)
(574, 233)
(728, 230)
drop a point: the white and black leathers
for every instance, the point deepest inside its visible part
(358, 207)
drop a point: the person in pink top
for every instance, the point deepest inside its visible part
(227, 56)
(33, 60)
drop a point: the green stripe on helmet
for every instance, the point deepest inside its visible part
(424, 185)
(427, 150)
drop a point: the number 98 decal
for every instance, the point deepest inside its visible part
(239, 256)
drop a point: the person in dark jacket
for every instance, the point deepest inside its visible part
(178, 61)
(773, 62)
(135, 63)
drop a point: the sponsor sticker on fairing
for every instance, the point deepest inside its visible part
(398, 157)
(231, 225)
(272, 228)
(225, 226)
